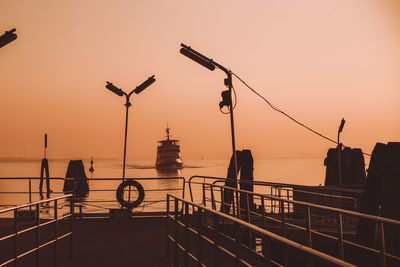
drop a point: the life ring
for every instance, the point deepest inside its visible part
(120, 194)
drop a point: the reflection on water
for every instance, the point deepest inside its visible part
(44, 207)
(168, 173)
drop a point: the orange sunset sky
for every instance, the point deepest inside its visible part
(317, 60)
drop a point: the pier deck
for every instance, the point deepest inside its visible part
(97, 243)
(134, 242)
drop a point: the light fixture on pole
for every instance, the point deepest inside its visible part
(8, 37)
(226, 95)
(119, 92)
(339, 147)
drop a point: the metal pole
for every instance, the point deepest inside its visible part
(127, 104)
(229, 81)
(340, 151)
(339, 162)
(56, 233)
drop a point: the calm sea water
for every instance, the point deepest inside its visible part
(298, 171)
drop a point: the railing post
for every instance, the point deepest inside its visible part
(214, 207)
(247, 207)
(263, 212)
(288, 204)
(176, 232)
(272, 202)
(30, 193)
(55, 234)
(183, 189)
(71, 240)
(340, 235)
(37, 234)
(16, 237)
(223, 208)
(234, 211)
(167, 227)
(200, 233)
(204, 195)
(308, 226)
(238, 213)
(279, 196)
(282, 208)
(186, 236)
(382, 246)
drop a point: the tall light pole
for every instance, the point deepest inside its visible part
(7, 37)
(119, 92)
(340, 152)
(227, 95)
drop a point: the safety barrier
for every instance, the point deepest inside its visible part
(34, 209)
(251, 207)
(198, 230)
(344, 198)
(102, 194)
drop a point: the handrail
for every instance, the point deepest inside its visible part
(312, 205)
(34, 203)
(294, 187)
(17, 254)
(286, 242)
(381, 222)
(150, 205)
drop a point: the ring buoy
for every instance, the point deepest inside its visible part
(120, 194)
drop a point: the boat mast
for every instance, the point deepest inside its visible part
(167, 130)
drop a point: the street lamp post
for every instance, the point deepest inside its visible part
(340, 152)
(227, 98)
(127, 104)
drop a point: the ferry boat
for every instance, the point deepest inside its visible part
(168, 154)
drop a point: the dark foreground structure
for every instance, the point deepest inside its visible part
(133, 242)
(269, 228)
(97, 242)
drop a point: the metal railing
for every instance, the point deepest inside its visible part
(34, 209)
(345, 198)
(29, 192)
(331, 228)
(102, 191)
(199, 230)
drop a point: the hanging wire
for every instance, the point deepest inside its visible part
(288, 116)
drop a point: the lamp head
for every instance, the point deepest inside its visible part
(8, 37)
(144, 85)
(197, 57)
(114, 89)
(341, 125)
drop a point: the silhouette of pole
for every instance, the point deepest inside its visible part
(211, 65)
(127, 104)
(229, 81)
(44, 172)
(339, 152)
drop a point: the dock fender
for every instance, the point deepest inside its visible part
(121, 190)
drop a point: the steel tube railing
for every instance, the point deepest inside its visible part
(314, 254)
(19, 232)
(339, 222)
(153, 195)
